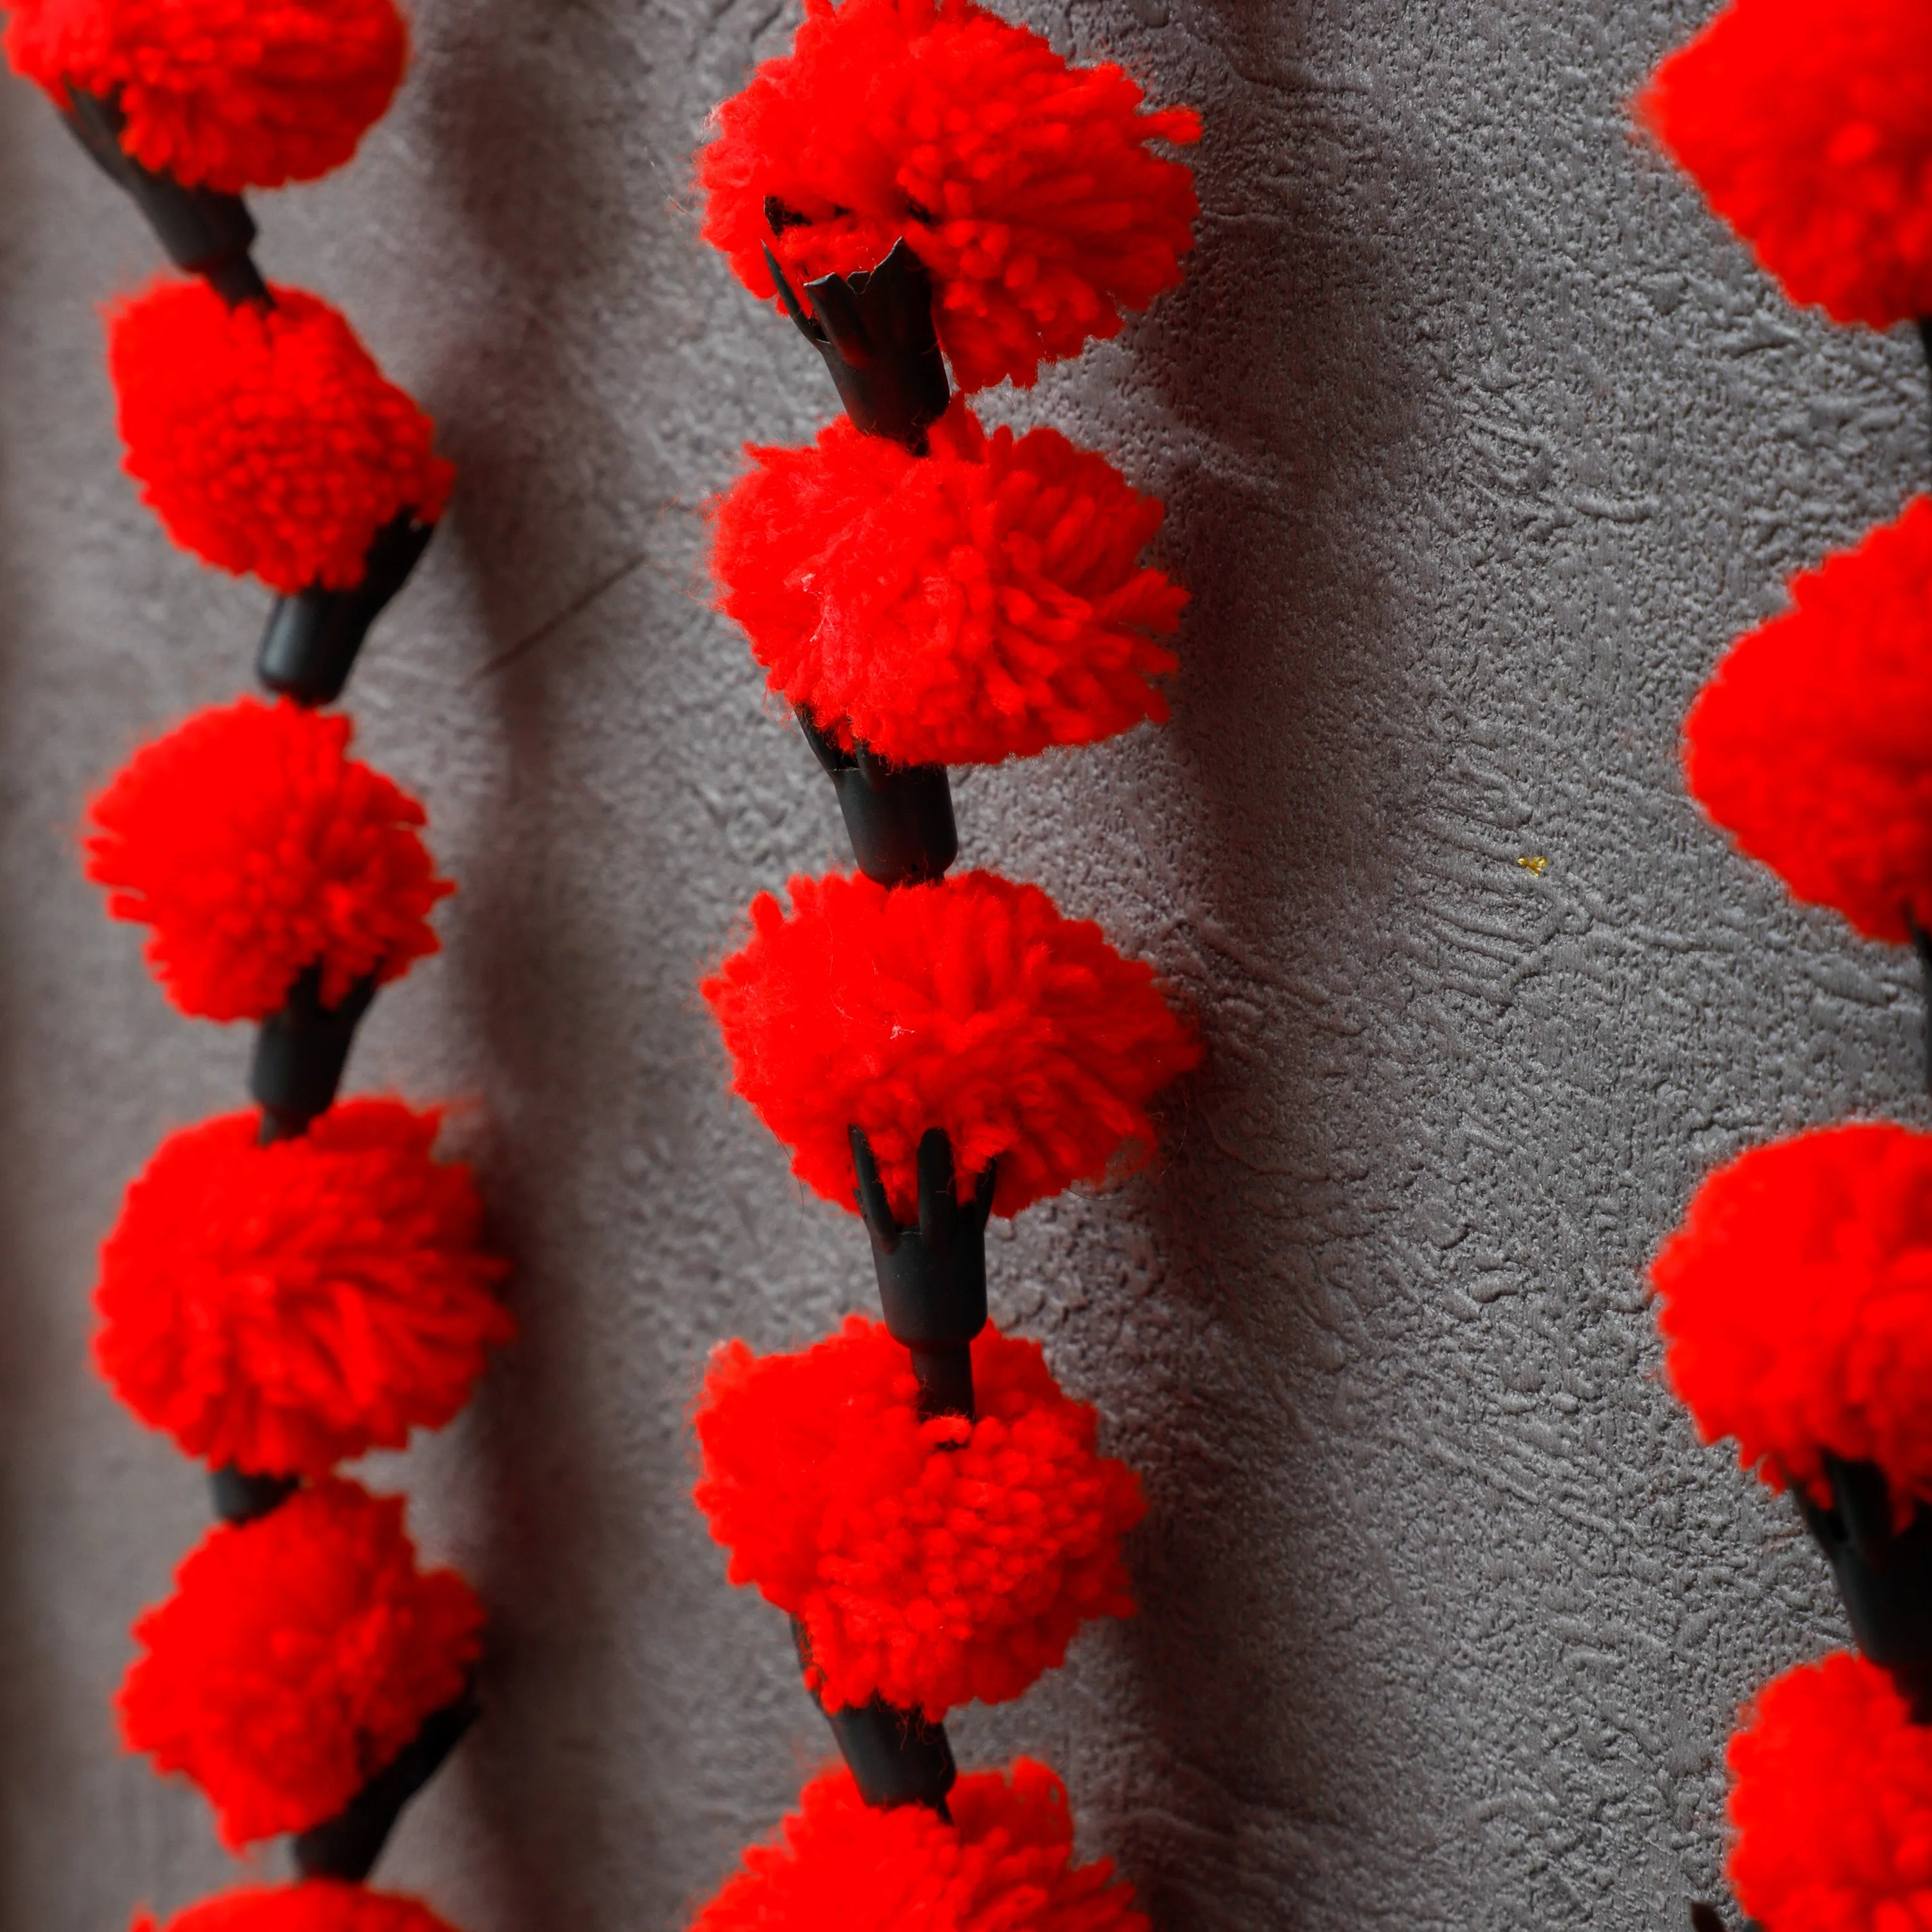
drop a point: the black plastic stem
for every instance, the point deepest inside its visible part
(1921, 944)
(239, 1498)
(874, 330)
(300, 1053)
(1884, 1575)
(309, 646)
(348, 1844)
(898, 818)
(207, 233)
(896, 1757)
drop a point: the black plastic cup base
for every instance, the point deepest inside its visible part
(312, 640)
(898, 818)
(874, 331)
(348, 1844)
(932, 1277)
(1884, 1577)
(239, 1498)
(300, 1052)
(208, 234)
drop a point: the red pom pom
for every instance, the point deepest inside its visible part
(268, 440)
(1024, 185)
(1797, 1306)
(930, 1562)
(979, 603)
(318, 1905)
(284, 1308)
(298, 1656)
(1832, 1803)
(222, 94)
(1809, 129)
(971, 1005)
(255, 847)
(1812, 743)
(1003, 1864)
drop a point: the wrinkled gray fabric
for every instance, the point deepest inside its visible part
(1479, 439)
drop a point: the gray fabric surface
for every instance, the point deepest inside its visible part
(1480, 439)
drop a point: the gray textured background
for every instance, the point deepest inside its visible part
(1480, 439)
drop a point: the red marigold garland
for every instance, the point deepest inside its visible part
(981, 602)
(916, 177)
(931, 1561)
(299, 1654)
(1796, 1298)
(290, 1287)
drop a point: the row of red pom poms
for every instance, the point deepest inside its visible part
(1796, 1298)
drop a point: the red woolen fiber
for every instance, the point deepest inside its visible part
(222, 94)
(1812, 743)
(931, 1562)
(1003, 1864)
(284, 1308)
(1024, 185)
(267, 441)
(317, 1905)
(1832, 1803)
(971, 1005)
(1809, 129)
(254, 846)
(979, 603)
(298, 1656)
(1797, 1307)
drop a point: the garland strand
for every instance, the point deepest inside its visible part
(920, 185)
(1795, 1299)
(292, 1286)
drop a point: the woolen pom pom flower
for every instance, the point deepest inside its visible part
(1809, 129)
(930, 1562)
(978, 603)
(267, 440)
(283, 1308)
(298, 1656)
(1797, 1307)
(255, 847)
(1003, 1863)
(1832, 1803)
(971, 1005)
(1812, 743)
(1024, 185)
(317, 1905)
(222, 94)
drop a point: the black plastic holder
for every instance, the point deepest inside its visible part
(896, 1757)
(300, 1053)
(875, 331)
(898, 818)
(347, 1845)
(207, 233)
(932, 1277)
(312, 639)
(239, 1498)
(1884, 1575)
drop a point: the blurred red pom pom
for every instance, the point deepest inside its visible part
(1797, 1307)
(1809, 129)
(931, 1563)
(222, 94)
(1832, 1803)
(317, 1905)
(255, 847)
(267, 440)
(978, 603)
(284, 1308)
(971, 1005)
(1812, 743)
(1004, 1863)
(1024, 185)
(298, 1656)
